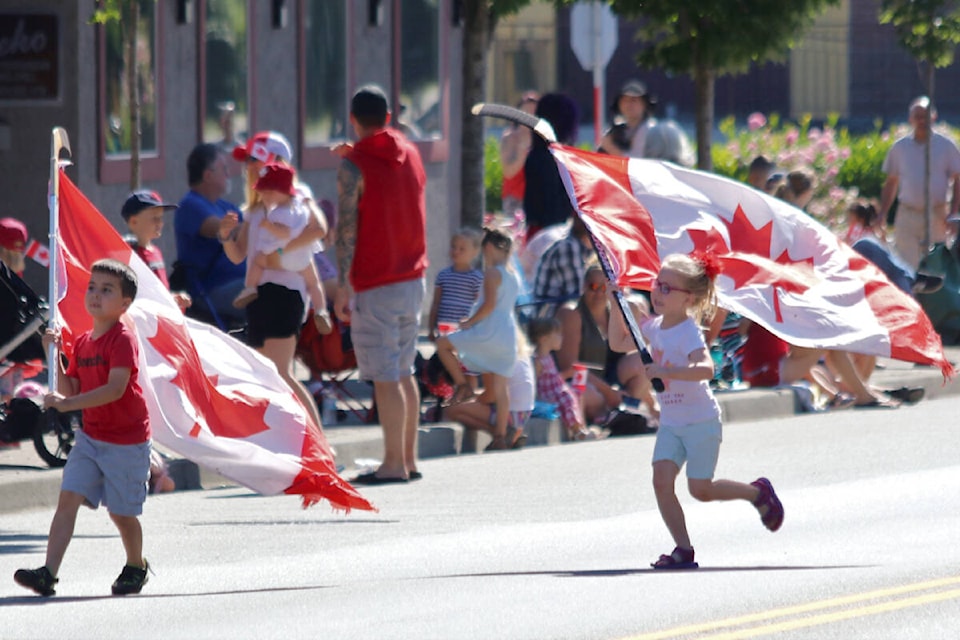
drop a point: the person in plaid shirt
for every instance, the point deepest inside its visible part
(562, 266)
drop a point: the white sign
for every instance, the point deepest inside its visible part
(593, 33)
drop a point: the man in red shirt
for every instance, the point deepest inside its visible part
(382, 256)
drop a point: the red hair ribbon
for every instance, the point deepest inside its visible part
(709, 262)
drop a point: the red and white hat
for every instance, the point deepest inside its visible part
(276, 177)
(13, 234)
(265, 146)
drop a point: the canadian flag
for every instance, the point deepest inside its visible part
(779, 267)
(38, 252)
(211, 398)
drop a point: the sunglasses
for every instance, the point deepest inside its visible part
(666, 289)
(596, 286)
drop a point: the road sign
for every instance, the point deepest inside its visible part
(593, 33)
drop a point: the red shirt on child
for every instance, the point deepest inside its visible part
(124, 421)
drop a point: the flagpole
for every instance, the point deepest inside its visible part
(645, 356)
(58, 141)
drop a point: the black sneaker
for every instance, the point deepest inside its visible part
(131, 580)
(39, 580)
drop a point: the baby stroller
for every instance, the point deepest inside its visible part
(22, 320)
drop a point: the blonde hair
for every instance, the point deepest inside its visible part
(695, 279)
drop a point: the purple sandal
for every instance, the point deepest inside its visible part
(678, 559)
(772, 518)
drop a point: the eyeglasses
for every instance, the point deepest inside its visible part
(666, 289)
(596, 286)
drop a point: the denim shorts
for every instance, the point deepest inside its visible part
(114, 474)
(697, 444)
(384, 325)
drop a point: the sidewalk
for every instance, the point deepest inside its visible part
(26, 482)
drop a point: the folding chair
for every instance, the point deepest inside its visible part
(333, 363)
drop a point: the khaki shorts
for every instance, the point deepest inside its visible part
(384, 326)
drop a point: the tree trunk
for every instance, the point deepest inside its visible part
(704, 80)
(133, 92)
(475, 43)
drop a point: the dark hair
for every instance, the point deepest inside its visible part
(370, 106)
(200, 159)
(126, 275)
(865, 212)
(498, 239)
(760, 163)
(540, 327)
(561, 112)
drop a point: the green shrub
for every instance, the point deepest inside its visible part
(492, 173)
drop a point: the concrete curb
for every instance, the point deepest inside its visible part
(25, 483)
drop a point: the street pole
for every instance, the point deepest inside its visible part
(598, 67)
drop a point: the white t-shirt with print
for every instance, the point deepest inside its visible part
(682, 402)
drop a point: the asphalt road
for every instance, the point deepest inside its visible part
(551, 542)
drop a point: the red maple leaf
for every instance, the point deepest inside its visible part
(746, 238)
(228, 416)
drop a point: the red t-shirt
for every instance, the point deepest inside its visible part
(154, 259)
(762, 354)
(392, 212)
(124, 421)
(514, 186)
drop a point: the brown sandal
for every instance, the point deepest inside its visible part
(321, 320)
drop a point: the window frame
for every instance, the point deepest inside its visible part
(116, 169)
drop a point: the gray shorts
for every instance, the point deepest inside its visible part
(696, 444)
(384, 326)
(114, 474)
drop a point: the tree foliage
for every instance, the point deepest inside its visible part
(708, 38)
(928, 29)
(726, 35)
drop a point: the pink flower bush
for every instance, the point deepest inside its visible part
(756, 120)
(841, 164)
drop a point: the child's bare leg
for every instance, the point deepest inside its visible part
(255, 269)
(131, 534)
(502, 402)
(450, 362)
(314, 288)
(61, 529)
(664, 480)
(710, 490)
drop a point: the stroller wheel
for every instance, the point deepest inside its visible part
(53, 436)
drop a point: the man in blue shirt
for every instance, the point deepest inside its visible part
(212, 279)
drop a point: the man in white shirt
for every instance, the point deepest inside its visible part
(905, 166)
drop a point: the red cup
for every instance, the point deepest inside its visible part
(579, 381)
(447, 327)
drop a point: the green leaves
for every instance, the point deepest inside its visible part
(928, 29)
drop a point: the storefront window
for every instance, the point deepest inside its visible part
(421, 108)
(117, 129)
(325, 69)
(226, 108)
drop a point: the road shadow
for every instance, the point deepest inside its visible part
(19, 543)
(35, 600)
(616, 573)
